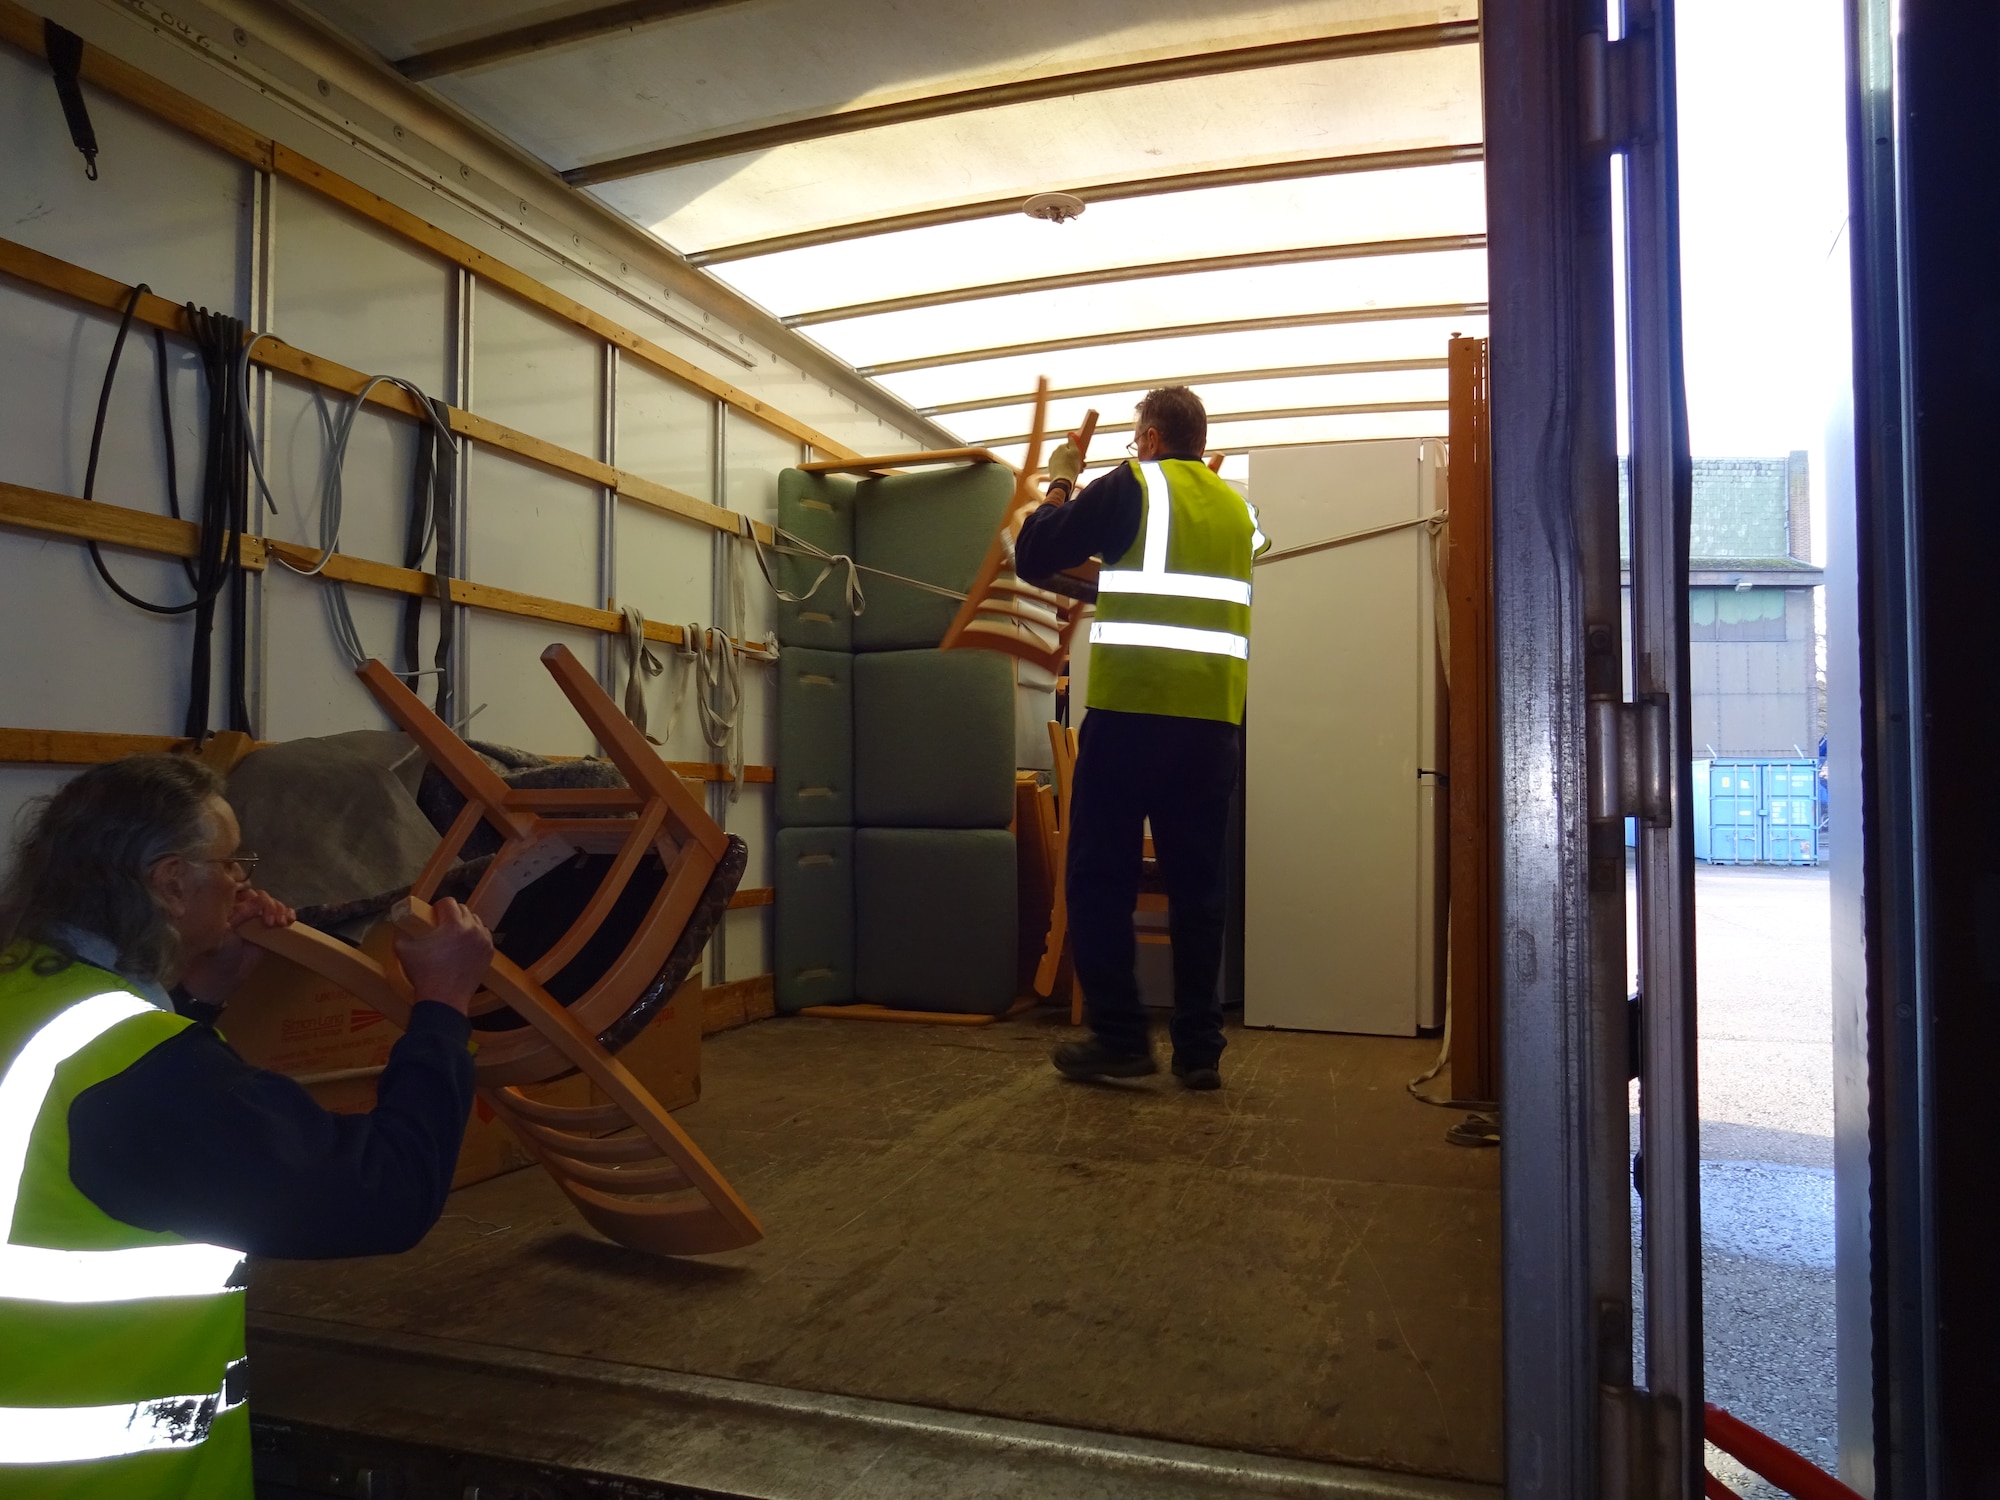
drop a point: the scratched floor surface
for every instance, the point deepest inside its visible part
(1296, 1265)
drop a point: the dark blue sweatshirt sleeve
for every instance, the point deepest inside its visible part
(1100, 521)
(192, 1140)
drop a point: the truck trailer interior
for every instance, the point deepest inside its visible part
(569, 456)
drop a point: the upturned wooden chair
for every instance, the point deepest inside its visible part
(631, 1171)
(1003, 613)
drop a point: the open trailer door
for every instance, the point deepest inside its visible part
(1571, 101)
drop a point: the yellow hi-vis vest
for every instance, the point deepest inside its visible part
(122, 1374)
(1172, 632)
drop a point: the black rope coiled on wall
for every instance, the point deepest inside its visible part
(224, 513)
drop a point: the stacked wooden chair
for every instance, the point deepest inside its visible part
(630, 1170)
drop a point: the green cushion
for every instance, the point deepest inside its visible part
(815, 777)
(933, 739)
(819, 508)
(934, 918)
(814, 917)
(936, 525)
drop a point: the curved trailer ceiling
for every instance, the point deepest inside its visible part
(1285, 202)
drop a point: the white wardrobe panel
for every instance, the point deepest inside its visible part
(666, 432)
(537, 373)
(348, 290)
(1342, 657)
(165, 210)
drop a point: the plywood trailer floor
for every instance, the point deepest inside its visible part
(1298, 1266)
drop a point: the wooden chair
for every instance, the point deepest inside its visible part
(1001, 612)
(1063, 742)
(631, 1171)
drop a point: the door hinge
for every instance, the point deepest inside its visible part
(1630, 761)
(1619, 95)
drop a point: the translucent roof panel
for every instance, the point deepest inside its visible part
(1346, 209)
(1182, 359)
(1242, 436)
(1364, 104)
(738, 67)
(1456, 277)
(1115, 408)
(1283, 158)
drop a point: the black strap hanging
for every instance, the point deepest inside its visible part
(431, 517)
(65, 53)
(224, 507)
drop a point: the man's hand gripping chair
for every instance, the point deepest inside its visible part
(631, 1171)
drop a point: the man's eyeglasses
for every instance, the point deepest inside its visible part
(242, 866)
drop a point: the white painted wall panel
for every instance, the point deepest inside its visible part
(664, 570)
(350, 291)
(345, 289)
(532, 530)
(73, 655)
(165, 209)
(537, 373)
(666, 432)
(523, 705)
(19, 785)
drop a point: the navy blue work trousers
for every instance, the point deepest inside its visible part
(1180, 773)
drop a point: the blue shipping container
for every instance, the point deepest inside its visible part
(1756, 812)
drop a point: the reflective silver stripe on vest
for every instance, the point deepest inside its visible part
(1169, 638)
(1152, 577)
(36, 1273)
(78, 1434)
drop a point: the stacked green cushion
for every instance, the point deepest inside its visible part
(934, 918)
(814, 880)
(815, 774)
(934, 739)
(934, 525)
(817, 508)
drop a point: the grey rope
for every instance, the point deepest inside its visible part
(788, 545)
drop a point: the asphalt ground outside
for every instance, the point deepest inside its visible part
(1765, 1061)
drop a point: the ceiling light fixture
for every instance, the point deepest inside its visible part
(1056, 208)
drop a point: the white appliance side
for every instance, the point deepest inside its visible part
(1340, 655)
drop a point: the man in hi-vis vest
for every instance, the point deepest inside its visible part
(141, 1158)
(1169, 661)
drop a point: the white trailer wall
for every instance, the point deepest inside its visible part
(199, 225)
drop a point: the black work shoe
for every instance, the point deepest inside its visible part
(1199, 1076)
(1092, 1059)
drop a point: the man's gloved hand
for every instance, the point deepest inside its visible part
(1066, 462)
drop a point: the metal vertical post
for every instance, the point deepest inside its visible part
(607, 524)
(1894, 812)
(263, 313)
(720, 604)
(1669, 1114)
(459, 709)
(1560, 910)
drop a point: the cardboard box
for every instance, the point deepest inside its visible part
(289, 1020)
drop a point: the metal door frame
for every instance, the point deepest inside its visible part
(1562, 98)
